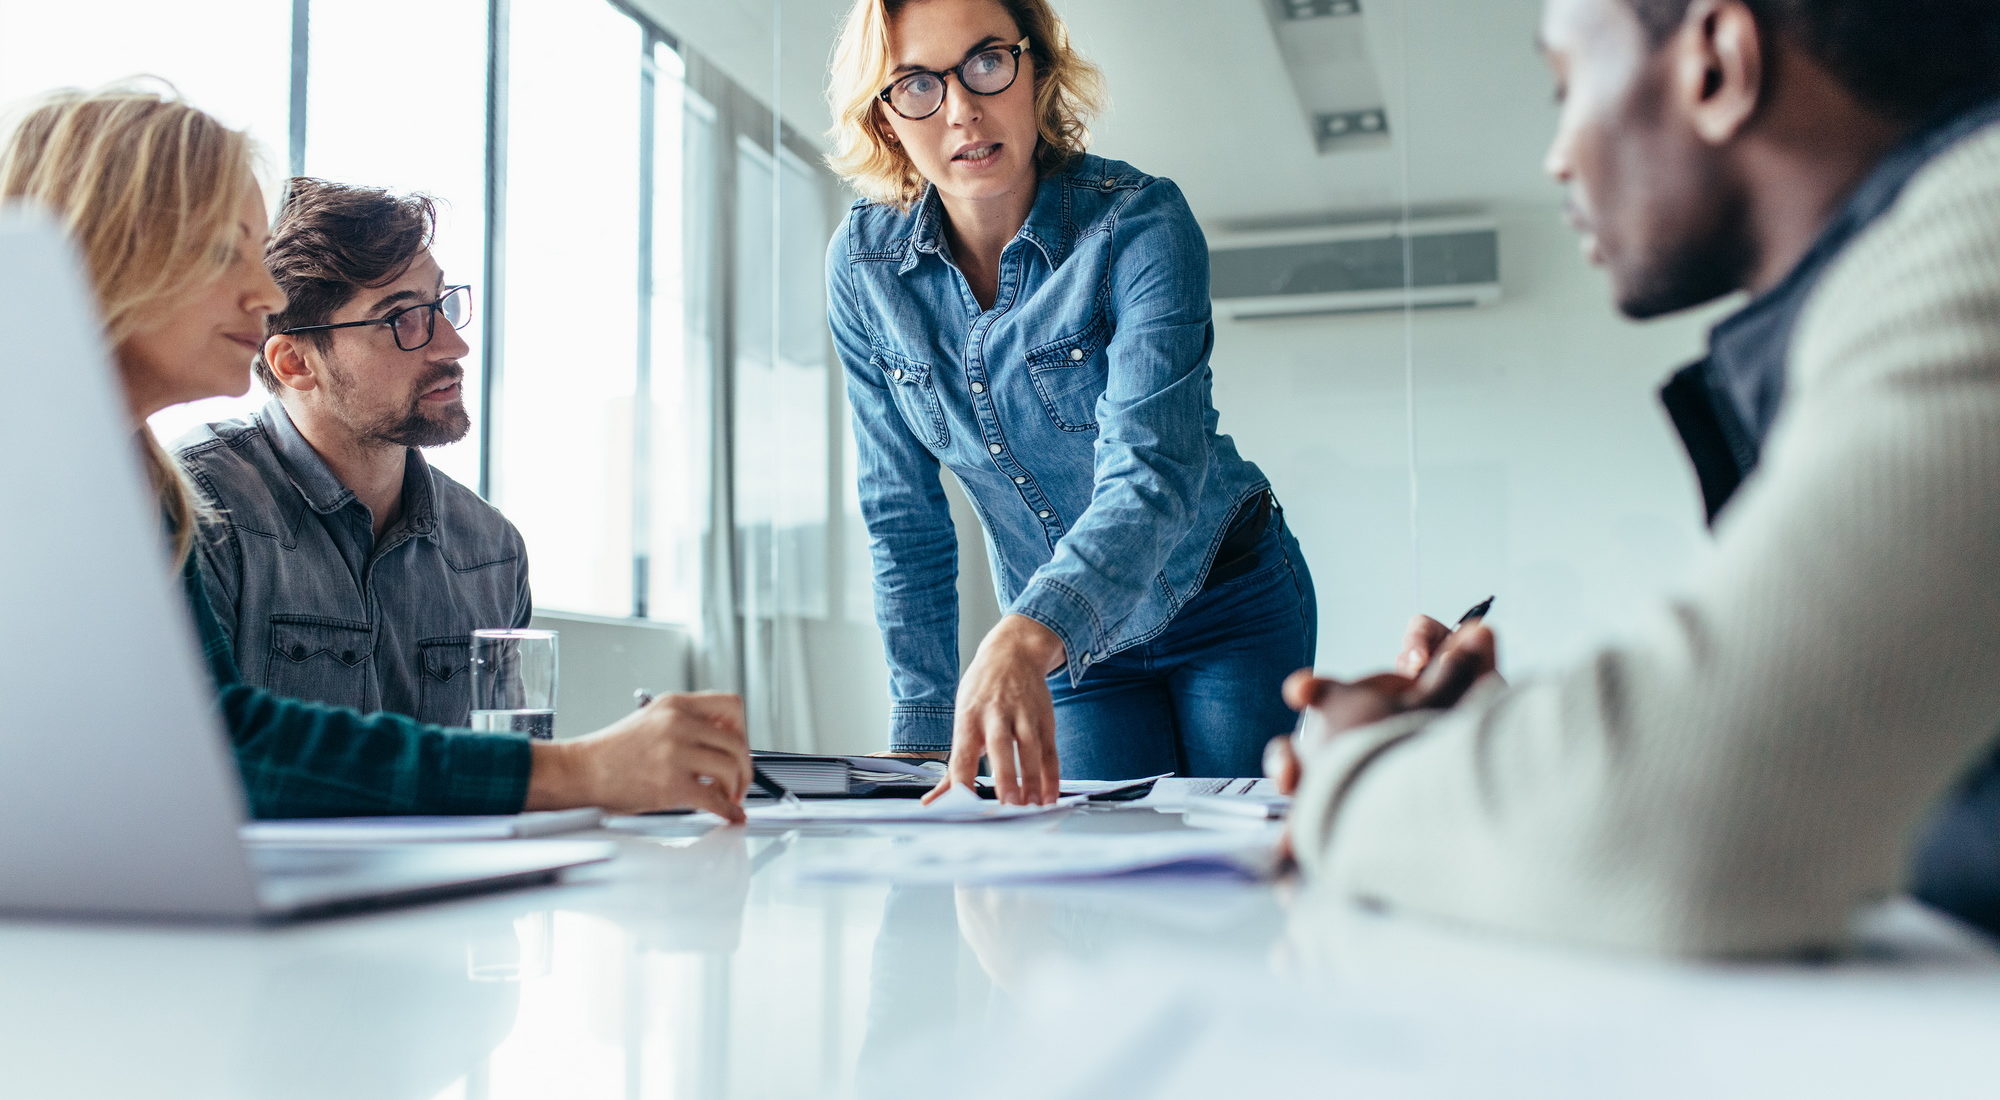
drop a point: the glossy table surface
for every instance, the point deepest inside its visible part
(700, 964)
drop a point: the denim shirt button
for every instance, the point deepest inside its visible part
(1045, 513)
(897, 374)
(1075, 354)
(979, 387)
(298, 653)
(1088, 659)
(1020, 481)
(347, 657)
(994, 447)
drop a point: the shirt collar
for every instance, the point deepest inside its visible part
(1046, 227)
(1749, 349)
(325, 493)
(926, 226)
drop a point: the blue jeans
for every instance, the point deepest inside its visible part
(1202, 698)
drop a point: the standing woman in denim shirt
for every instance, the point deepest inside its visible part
(1037, 319)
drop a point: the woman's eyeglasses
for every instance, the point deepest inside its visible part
(917, 96)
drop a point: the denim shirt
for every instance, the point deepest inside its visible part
(1076, 413)
(315, 607)
(301, 759)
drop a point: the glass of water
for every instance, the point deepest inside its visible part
(514, 682)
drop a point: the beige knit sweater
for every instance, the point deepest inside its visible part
(1756, 759)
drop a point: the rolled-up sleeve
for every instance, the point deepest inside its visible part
(1153, 443)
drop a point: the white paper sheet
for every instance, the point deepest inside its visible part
(1171, 795)
(957, 806)
(1050, 857)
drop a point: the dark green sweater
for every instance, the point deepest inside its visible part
(303, 759)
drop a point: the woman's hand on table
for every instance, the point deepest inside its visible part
(1006, 714)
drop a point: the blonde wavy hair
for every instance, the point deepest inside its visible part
(148, 188)
(1069, 91)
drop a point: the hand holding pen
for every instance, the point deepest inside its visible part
(1426, 637)
(1438, 666)
(641, 699)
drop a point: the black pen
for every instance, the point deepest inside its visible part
(1478, 611)
(770, 786)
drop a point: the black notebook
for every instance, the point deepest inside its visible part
(811, 776)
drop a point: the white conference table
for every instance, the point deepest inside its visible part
(700, 965)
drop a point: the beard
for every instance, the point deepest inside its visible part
(1684, 273)
(411, 425)
(1680, 220)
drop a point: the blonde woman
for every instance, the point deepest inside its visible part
(1037, 319)
(161, 201)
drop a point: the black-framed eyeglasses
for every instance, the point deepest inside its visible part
(413, 326)
(917, 96)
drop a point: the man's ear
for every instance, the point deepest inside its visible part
(289, 363)
(1718, 68)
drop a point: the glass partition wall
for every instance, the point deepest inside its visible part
(1406, 337)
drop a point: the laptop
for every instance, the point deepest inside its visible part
(119, 792)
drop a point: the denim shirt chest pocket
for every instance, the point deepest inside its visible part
(1069, 375)
(321, 659)
(916, 397)
(446, 681)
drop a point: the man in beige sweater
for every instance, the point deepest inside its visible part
(1756, 758)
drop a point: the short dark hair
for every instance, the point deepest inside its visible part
(1906, 58)
(333, 240)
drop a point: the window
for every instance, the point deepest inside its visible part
(678, 435)
(563, 413)
(782, 385)
(657, 263)
(374, 119)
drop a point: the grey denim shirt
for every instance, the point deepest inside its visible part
(316, 607)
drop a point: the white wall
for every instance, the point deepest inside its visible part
(1548, 474)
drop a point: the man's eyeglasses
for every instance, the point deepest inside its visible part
(413, 326)
(917, 96)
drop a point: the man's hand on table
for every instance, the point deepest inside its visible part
(1447, 664)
